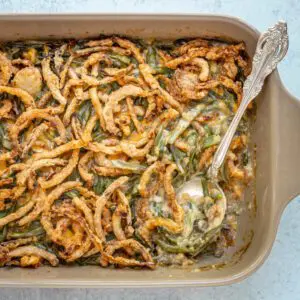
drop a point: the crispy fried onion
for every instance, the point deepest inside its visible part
(70, 85)
(87, 133)
(74, 241)
(101, 201)
(210, 53)
(5, 108)
(35, 134)
(149, 78)
(84, 168)
(101, 147)
(71, 109)
(69, 211)
(75, 144)
(23, 176)
(75, 247)
(5, 68)
(178, 213)
(97, 105)
(147, 179)
(121, 213)
(6, 181)
(52, 81)
(225, 81)
(132, 151)
(153, 223)
(133, 115)
(26, 118)
(113, 100)
(63, 174)
(32, 250)
(135, 247)
(130, 46)
(39, 197)
(24, 96)
(82, 206)
(22, 211)
(111, 172)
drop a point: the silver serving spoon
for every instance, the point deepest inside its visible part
(271, 48)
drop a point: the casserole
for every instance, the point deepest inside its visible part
(277, 160)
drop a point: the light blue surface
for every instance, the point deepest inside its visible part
(279, 277)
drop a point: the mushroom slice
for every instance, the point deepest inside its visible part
(29, 79)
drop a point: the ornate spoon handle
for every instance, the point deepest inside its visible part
(271, 48)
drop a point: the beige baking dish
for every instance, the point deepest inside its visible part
(276, 134)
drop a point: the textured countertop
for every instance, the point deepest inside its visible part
(279, 277)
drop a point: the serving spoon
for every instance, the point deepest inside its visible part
(270, 50)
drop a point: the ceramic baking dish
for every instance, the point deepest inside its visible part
(276, 134)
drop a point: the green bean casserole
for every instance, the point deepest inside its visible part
(96, 136)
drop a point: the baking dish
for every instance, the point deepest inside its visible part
(275, 136)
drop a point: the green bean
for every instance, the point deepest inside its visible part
(156, 208)
(229, 99)
(132, 186)
(162, 83)
(74, 176)
(151, 57)
(26, 233)
(204, 242)
(98, 136)
(2, 132)
(164, 45)
(47, 245)
(8, 211)
(184, 122)
(4, 139)
(120, 61)
(245, 158)
(178, 155)
(159, 143)
(204, 187)
(211, 140)
(91, 260)
(240, 75)
(208, 129)
(114, 86)
(224, 173)
(101, 183)
(164, 71)
(243, 127)
(72, 194)
(84, 112)
(173, 248)
(3, 234)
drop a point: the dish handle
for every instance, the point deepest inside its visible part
(287, 139)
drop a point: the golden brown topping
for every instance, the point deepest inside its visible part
(5, 68)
